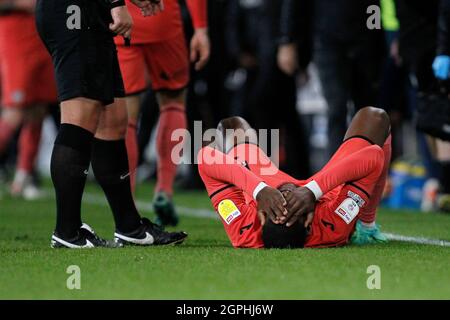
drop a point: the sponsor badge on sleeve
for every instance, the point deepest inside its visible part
(347, 210)
(228, 210)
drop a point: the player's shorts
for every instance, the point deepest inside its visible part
(84, 55)
(26, 71)
(337, 211)
(163, 64)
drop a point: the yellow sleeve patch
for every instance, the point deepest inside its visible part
(228, 210)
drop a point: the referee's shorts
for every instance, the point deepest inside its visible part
(77, 35)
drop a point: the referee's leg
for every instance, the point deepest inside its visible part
(111, 168)
(70, 161)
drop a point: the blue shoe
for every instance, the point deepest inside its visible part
(367, 235)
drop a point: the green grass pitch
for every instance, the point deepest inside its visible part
(207, 267)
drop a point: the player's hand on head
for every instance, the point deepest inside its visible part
(300, 202)
(272, 205)
(200, 48)
(122, 22)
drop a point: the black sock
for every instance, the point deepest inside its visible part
(69, 164)
(110, 165)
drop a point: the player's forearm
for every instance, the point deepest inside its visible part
(220, 167)
(352, 168)
(199, 13)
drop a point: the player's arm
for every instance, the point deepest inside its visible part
(352, 168)
(200, 46)
(218, 166)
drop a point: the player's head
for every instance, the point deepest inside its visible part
(233, 131)
(283, 237)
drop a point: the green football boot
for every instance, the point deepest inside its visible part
(165, 210)
(367, 235)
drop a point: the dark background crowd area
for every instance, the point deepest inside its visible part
(389, 67)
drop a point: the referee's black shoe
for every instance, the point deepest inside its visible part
(85, 238)
(148, 234)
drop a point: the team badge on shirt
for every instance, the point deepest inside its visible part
(347, 210)
(228, 210)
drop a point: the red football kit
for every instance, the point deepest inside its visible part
(26, 70)
(158, 51)
(348, 188)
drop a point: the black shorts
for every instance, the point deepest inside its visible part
(85, 58)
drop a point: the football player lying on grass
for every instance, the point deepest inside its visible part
(262, 206)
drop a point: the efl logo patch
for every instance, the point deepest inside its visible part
(357, 198)
(347, 210)
(228, 210)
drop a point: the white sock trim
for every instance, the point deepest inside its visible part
(258, 188)
(314, 187)
(369, 225)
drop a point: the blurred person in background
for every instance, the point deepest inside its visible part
(348, 56)
(207, 97)
(423, 48)
(441, 68)
(255, 31)
(158, 52)
(441, 64)
(395, 90)
(28, 86)
(242, 24)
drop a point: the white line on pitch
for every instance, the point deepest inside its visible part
(419, 240)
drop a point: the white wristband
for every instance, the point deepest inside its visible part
(258, 188)
(314, 187)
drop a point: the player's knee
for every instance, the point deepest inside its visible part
(234, 123)
(113, 127)
(14, 117)
(234, 131)
(377, 117)
(167, 97)
(120, 125)
(81, 112)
